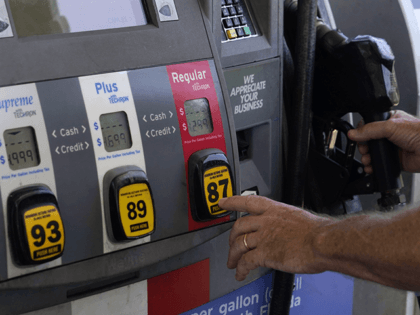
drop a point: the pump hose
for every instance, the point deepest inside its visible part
(299, 131)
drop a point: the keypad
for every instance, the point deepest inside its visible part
(236, 20)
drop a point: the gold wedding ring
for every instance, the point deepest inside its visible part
(245, 243)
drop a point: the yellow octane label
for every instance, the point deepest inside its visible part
(45, 232)
(136, 210)
(217, 185)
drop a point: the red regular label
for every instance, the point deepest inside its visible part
(193, 81)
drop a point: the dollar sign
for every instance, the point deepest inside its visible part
(96, 126)
(182, 112)
(184, 126)
(2, 159)
(0, 143)
(99, 142)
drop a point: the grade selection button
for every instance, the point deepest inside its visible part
(210, 179)
(217, 184)
(136, 210)
(36, 227)
(131, 205)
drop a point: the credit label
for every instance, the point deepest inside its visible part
(136, 210)
(44, 232)
(217, 185)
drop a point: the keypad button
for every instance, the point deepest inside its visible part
(232, 11)
(223, 2)
(247, 31)
(236, 22)
(236, 1)
(239, 9)
(229, 2)
(228, 23)
(240, 32)
(243, 19)
(225, 12)
(231, 34)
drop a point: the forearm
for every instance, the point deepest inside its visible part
(376, 247)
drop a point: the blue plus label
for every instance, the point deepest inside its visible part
(102, 87)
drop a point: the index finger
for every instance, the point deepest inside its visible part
(252, 204)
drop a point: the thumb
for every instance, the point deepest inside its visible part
(371, 131)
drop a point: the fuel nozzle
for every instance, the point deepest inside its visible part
(330, 39)
(358, 75)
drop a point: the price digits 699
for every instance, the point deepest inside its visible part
(116, 139)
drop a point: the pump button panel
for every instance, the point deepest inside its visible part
(35, 224)
(131, 207)
(210, 179)
(236, 21)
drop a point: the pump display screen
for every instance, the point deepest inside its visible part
(21, 148)
(115, 131)
(63, 16)
(198, 117)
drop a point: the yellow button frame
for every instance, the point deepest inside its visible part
(44, 232)
(217, 185)
(136, 210)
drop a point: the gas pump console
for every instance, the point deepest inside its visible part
(118, 137)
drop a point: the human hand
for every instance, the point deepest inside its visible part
(279, 236)
(402, 129)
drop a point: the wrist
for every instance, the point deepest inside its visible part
(323, 250)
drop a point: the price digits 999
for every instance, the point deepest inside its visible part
(20, 157)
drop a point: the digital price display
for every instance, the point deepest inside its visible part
(115, 131)
(198, 117)
(21, 148)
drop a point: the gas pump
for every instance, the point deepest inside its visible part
(121, 127)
